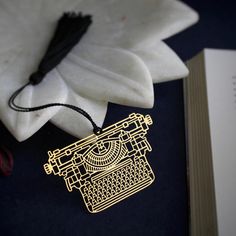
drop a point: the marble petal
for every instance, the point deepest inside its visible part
(133, 24)
(108, 74)
(162, 62)
(23, 125)
(76, 124)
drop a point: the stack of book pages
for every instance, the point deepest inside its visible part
(210, 111)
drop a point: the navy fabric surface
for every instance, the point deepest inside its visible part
(33, 203)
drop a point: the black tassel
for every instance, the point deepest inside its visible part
(70, 29)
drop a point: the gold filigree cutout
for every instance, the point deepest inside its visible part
(108, 167)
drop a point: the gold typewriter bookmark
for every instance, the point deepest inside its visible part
(108, 167)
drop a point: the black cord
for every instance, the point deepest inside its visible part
(69, 31)
(11, 102)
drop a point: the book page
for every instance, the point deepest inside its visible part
(220, 66)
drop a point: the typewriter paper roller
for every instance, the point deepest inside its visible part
(108, 167)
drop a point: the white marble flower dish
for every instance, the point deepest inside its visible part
(117, 60)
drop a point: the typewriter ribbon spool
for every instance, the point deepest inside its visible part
(108, 167)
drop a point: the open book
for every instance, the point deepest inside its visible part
(210, 109)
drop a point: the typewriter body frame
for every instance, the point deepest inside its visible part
(108, 167)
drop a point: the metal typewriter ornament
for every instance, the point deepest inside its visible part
(108, 167)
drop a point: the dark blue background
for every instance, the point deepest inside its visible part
(32, 203)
